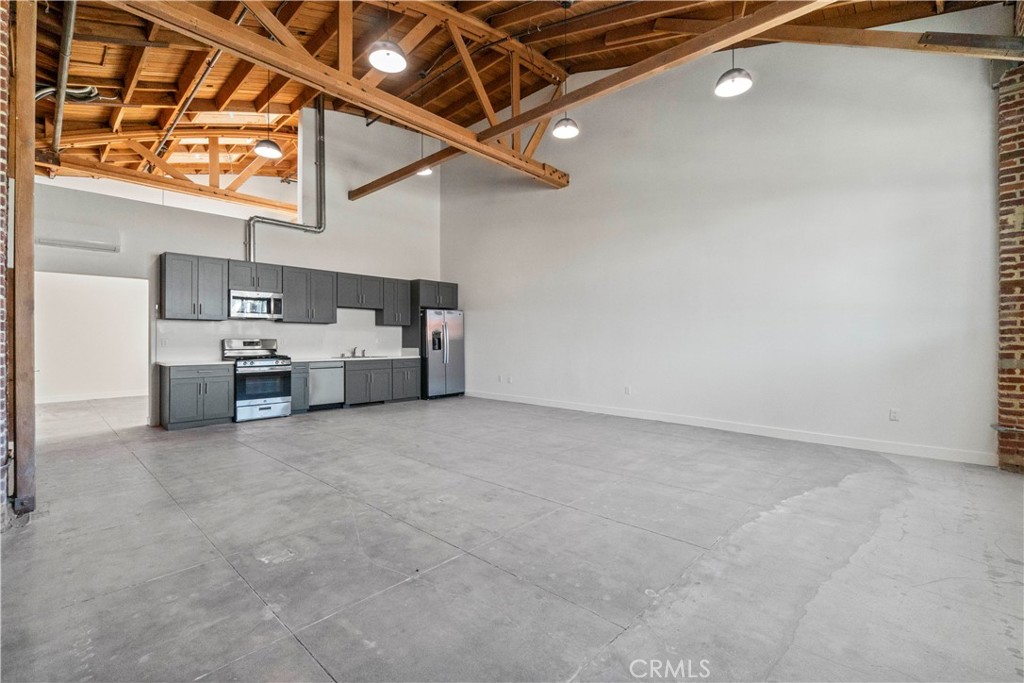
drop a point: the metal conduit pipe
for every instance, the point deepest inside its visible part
(85, 93)
(67, 33)
(321, 194)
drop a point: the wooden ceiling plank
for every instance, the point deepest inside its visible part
(156, 160)
(611, 19)
(855, 37)
(133, 73)
(316, 43)
(214, 156)
(482, 32)
(223, 34)
(98, 170)
(773, 15)
(474, 76)
(405, 172)
(409, 42)
(526, 13)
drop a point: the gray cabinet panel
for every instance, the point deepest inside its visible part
(185, 400)
(218, 397)
(380, 385)
(296, 304)
(213, 289)
(242, 275)
(323, 297)
(428, 294)
(357, 384)
(300, 390)
(372, 289)
(405, 381)
(268, 278)
(395, 303)
(179, 279)
(348, 290)
(447, 295)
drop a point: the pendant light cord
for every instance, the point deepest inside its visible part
(565, 49)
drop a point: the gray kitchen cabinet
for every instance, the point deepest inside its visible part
(360, 291)
(300, 387)
(367, 381)
(433, 294)
(396, 303)
(254, 277)
(196, 395)
(405, 379)
(309, 296)
(193, 287)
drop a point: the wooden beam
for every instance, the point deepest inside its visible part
(599, 22)
(316, 43)
(344, 32)
(474, 77)
(98, 170)
(100, 136)
(538, 132)
(1008, 48)
(409, 42)
(481, 32)
(131, 79)
(23, 299)
(249, 171)
(722, 37)
(202, 25)
(516, 103)
(274, 25)
(528, 12)
(158, 161)
(405, 172)
(214, 154)
(116, 34)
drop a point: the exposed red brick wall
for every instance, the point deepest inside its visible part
(1011, 262)
(5, 63)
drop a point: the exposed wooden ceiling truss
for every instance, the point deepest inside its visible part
(185, 89)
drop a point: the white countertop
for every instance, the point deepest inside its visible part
(349, 358)
(179, 363)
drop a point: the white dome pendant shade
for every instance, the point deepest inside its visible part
(734, 82)
(565, 129)
(387, 57)
(268, 148)
(425, 171)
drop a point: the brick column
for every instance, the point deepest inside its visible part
(1011, 262)
(5, 63)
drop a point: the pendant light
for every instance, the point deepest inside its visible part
(267, 148)
(565, 128)
(734, 81)
(425, 170)
(386, 55)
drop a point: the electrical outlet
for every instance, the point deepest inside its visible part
(509, 379)
(894, 415)
(629, 390)
(499, 379)
(163, 343)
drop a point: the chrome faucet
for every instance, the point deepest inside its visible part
(354, 350)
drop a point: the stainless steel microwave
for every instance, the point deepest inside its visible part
(256, 305)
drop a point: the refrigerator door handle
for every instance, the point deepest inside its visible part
(446, 343)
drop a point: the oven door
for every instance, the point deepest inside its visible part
(263, 392)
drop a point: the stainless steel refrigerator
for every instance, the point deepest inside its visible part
(444, 353)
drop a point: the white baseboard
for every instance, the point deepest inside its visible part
(65, 398)
(892, 447)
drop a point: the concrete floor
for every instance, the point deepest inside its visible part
(464, 540)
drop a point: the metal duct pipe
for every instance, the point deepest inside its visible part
(85, 93)
(321, 194)
(67, 33)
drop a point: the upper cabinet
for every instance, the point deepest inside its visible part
(193, 287)
(433, 294)
(309, 296)
(360, 291)
(255, 277)
(396, 308)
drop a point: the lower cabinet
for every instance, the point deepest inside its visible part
(367, 381)
(300, 387)
(405, 379)
(196, 395)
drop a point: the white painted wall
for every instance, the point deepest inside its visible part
(394, 234)
(794, 262)
(77, 356)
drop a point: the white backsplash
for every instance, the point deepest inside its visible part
(199, 341)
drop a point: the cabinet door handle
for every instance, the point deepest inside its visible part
(200, 309)
(193, 307)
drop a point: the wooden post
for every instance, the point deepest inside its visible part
(24, 257)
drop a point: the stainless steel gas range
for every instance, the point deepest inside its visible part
(263, 378)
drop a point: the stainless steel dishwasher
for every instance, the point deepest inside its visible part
(326, 382)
